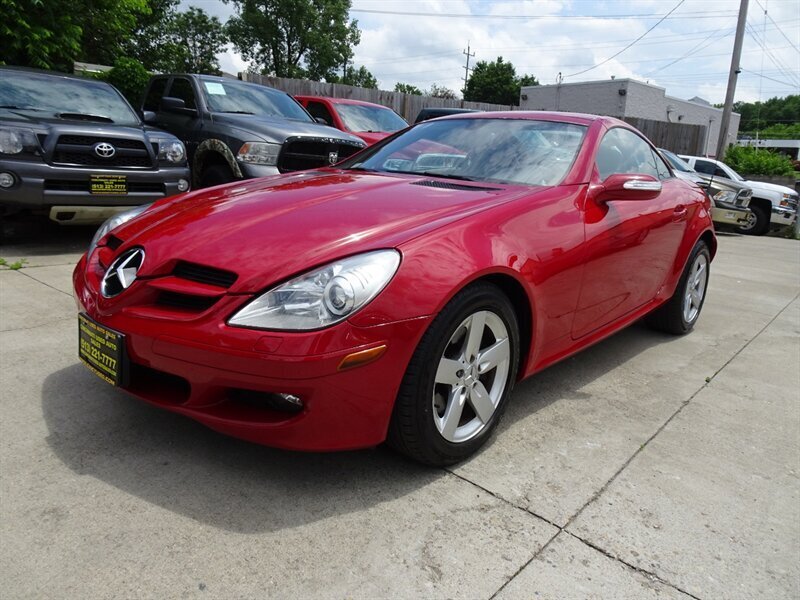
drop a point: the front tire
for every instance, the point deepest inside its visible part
(459, 379)
(757, 221)
(216, 175)
(680, 313)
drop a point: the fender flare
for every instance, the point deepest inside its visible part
(216, 147)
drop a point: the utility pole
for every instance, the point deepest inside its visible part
(466, 68)
(722, 143)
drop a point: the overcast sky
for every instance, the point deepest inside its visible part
(688, 53)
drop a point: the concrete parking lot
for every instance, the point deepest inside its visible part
(646, 467)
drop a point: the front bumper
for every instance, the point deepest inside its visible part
(782, 217)
(251, 171)
(729, 215)
(201, 367)
(40, 186)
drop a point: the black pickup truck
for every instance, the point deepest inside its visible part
(75, 150)
(236, 130)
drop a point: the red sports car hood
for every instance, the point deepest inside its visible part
(269, 229)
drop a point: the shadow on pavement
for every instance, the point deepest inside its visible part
(179, 465)
(38, 236)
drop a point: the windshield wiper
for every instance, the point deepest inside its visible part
(237, 112)
(435, 174)
(11, 106)
(84, 117)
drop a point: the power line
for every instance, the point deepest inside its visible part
(694, 48)
(776, 26)
(775, 60)
(793, 85)
(699, 15)
(632, 43)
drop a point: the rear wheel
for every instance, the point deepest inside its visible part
(459, 379)
(680, 313)
(757, 221)
(216, 175)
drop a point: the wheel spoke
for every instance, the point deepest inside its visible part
(452, 414)
(481, 402)
(699, 273)
(447, 371)
(474, 335)
(493, 356)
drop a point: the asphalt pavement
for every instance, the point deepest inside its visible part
(647, 466)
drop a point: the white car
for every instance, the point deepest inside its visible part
(771, 205)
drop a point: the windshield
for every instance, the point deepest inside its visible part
(736, 176)
(251, 99)
(511, 151)
(358, 117)
(676, 162)
(64, 96)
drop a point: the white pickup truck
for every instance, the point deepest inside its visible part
(772, 206)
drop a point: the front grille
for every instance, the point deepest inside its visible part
(78, 150)
(134, 187)
(299, 154)
(185, 301)
(445, 185)
(203, 274)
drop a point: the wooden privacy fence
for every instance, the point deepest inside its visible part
(680, 138)
(406, 105)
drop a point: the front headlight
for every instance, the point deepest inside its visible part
(321, 297)
(725, 196)
(259, 153)
(14, 140)
(114, 222)
(171, 151)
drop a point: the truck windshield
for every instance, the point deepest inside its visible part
(251, 99)
(65, 97)
(676, 162)
(358, 117)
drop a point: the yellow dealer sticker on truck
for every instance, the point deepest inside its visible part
(102, 350)
(109, 185)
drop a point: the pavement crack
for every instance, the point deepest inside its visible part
(45, 284)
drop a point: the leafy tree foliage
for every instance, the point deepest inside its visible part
(407, 88)
(52, 34)
(496, 82)
(775, 111)
(360, 77)
(754, 161)
(130, 77)
(440, 91)
(294, 38)
(150, 42)
(201, 37)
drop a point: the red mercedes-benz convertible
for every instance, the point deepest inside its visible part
(399, 295)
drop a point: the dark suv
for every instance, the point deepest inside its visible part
(75, 150)
(235, 130)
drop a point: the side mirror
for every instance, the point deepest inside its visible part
(322, 120)
(629, 187)
(177, 106)
(148, 116)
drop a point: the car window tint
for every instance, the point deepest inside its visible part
(318, 109)
(704, 166)
(153, 99)
(182, 88)
(622, 151)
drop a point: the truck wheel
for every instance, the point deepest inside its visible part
(216, 175)
(757, 221)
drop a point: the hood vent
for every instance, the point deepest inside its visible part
(203, 274)
(445, 185)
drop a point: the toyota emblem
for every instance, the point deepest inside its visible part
(122, 273)
(104, 150)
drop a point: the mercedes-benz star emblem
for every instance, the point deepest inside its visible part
(122, 272)
(333, 158)
(104, 150)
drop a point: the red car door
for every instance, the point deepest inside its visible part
(630, 245)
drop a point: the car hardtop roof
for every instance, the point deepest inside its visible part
(333, 100)
(539, 115)
(218, 79)
(708, 158)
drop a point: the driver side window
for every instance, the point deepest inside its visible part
(622, 151)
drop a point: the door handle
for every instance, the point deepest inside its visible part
(679, 214)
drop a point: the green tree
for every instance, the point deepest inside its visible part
(496, 82)
(407, 88)
(775, 111)
(151, 42)
(294, 38)
(359, 77)
(52, 34)
(130, 77)
(440, 91)
(754, 161)
(202, 37)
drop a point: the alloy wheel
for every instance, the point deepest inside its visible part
(695, 288)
